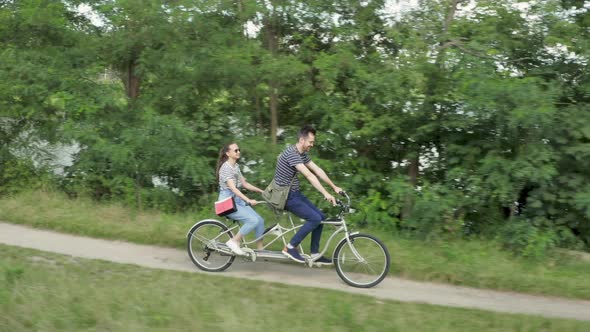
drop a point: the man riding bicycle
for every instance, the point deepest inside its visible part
(294, 160)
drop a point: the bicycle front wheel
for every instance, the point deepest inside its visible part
(203, 241)
(363, 261)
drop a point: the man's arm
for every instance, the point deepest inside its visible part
(323, 176)
(315, 182)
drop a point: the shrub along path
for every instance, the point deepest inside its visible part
(391, 288)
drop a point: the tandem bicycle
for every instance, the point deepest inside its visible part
(361, 260)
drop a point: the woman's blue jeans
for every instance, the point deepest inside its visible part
(300, 206)
(245, 214)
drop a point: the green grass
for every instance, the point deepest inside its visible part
(470, 263)
(483, 264)
(41, 291)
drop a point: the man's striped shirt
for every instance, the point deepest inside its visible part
(286, 171)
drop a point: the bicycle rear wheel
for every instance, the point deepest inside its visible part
(363, 261)
(203, 241)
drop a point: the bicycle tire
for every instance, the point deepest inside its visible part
(199, 248)
(365, 271)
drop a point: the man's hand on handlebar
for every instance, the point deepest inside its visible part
(330, 198)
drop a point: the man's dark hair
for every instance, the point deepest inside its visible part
(305, 130)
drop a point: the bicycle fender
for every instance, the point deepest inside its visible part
(200, 221)
(344, 238)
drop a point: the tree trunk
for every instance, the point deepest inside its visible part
(274, 105)
(272, 44)
(131, 81)
(138, 191)
(413, 170)
(259, 121)
(132, 84)
(429, 104)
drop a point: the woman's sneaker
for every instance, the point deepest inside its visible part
(322, 260)
(293, 254)
(235, 248)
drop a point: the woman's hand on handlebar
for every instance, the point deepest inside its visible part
(252, 202)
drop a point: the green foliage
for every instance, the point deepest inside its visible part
(523, 237)
(17, 174)
(441, 121)
(438, 210)
(378, 211)
(124, 166)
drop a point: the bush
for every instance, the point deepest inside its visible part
(523, 237)
(18, 174)
(377, 211)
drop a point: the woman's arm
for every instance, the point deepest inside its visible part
(235, 190)
(250, 186)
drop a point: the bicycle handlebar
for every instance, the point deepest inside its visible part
(344, 207)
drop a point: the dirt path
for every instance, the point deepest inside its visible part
(391, 288)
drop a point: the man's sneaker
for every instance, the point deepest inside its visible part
(322, 260)
(235, 248)
(293, 254)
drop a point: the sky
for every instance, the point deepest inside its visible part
(392, 7)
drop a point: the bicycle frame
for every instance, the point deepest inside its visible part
(360, 260)
(338, 221)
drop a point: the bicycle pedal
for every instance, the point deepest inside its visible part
(250, 254)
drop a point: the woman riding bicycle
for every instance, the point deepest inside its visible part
(230, 181)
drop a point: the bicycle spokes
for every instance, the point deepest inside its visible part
(362, 260)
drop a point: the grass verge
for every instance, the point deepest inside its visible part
(468, 263)
(48, 292)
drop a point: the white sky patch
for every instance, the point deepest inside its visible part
(403, 163)
(574, 11)
(159, 182)
(90, 14)
(466, 10)
(560, 50)
(394, 9)
(427, 157)
(54, 156)
(522, 6)
(251, 29)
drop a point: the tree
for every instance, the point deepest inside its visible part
(41, 62)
